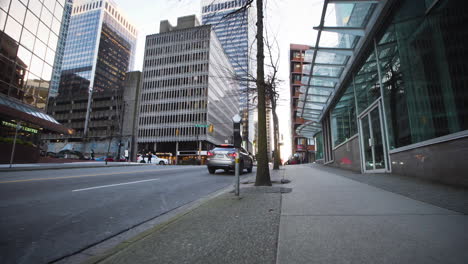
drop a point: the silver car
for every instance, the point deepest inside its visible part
(223, 157)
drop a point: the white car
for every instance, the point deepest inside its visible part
(154, 160)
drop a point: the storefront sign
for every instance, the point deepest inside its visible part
(24, 128)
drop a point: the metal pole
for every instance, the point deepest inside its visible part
(176, 152)
(237, 173)
(199, 150)
(18, 127)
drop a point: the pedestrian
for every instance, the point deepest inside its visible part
(149, 157)
(126, 155)
(92, 154)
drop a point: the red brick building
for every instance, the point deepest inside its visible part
(302, 148)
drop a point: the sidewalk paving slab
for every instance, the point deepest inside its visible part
(331, 219)
(226, 229)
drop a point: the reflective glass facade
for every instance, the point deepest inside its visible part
(233, 33)
(99, 50)
(343, 118)
(423, 59)
(57, 70)
(29, 33)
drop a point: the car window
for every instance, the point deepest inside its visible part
(223, 149)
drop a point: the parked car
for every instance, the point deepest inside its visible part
(223, 157)
(154, 159)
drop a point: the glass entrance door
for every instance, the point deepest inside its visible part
(373, 146)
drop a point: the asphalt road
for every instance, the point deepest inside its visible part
(49, 214)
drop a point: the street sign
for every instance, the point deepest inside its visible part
(200, 125)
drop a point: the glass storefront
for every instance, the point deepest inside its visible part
(319, 146)
(343, 118)
(423, 57)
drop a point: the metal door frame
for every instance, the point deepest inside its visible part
(366, 114)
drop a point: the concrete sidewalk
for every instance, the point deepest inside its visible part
(327, 218)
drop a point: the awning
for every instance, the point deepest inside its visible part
(342, 28)
(19, 111)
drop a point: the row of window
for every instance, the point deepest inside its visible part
(190, 104)
(192, 34)
(190, 57)
(221, 6)
(166, 94)
(177, 48)
(171, 119)
(166, 132)
(203, 67)
(183, 81)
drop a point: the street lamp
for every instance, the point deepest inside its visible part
(236, 119)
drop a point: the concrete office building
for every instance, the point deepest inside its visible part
(234, 33)
(393, 88)
(187, 103)
(99, 51)
(303, 148)
(28, 45)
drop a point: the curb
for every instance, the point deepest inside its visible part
(65, 167)
(111, 246)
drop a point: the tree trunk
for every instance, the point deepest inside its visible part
(277, 158)
(263, 172)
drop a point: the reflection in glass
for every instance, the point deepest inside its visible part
(366, 140)
(377, 142)
(17, 11)
(13, 29)
(31, 22)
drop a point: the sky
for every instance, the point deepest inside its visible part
(291, 21)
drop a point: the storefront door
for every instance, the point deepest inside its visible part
(372, 143)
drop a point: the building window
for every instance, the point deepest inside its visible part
(343, 118)
(424, 73)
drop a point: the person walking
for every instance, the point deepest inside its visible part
(126, 155)
(149, 157)
(92, 154)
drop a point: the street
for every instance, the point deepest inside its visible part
(49, 214)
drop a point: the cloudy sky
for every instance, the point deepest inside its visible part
(290, 20)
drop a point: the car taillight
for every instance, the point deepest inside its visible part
(233, 154)
(210, 154)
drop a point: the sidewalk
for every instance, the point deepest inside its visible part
(70, 165)
(327, 218)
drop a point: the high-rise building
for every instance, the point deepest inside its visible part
(187, 103)
(28, 41)
(57, 69)
(99, 51)
(232, 30)
(302, 147)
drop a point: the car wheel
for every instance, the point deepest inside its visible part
(161, 162)
(211, 170)
(142, 161)
(249, 170)
(226, 170)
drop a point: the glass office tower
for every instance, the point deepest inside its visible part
(28, 41)
(57, 69)
(29, 33)
(233, 33)
(99, 50)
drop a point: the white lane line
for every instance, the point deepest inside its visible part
(112, 185)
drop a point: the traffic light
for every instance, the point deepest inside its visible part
(211, 128)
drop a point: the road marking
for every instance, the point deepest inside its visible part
(90, 175)
(112, 185)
